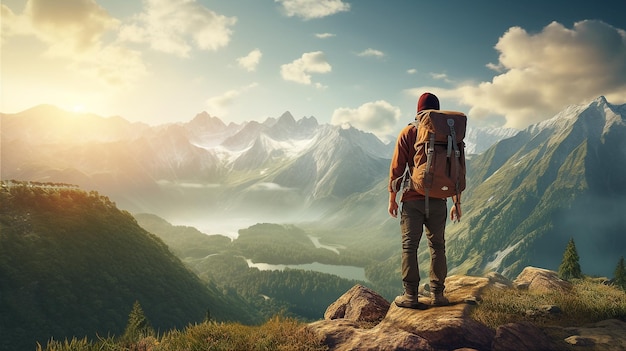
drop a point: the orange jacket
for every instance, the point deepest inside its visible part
(403, 154)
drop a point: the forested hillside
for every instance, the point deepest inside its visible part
(299, 293)
(73, 264)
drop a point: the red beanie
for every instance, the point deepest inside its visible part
(427, 101)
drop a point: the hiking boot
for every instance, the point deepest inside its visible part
(439, 300)
(409, 301)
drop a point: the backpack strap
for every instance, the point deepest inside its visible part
(416, 125)
(430, 151)
(457, 154)
(406, 180)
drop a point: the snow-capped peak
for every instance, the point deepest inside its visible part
(599, 107)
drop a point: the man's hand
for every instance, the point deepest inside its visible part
(455, 212)
(393, 209)
(393, 205)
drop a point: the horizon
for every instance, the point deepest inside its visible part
(266, 118)
(238, 61)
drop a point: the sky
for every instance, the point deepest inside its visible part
(357, 62)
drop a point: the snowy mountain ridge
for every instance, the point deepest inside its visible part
(282, 138)
(290, 138)
(604, 113)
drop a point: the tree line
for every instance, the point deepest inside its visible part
(570, 267)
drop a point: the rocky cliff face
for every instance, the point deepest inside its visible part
(363, 320)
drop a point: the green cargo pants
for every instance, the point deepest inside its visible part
(412, 222)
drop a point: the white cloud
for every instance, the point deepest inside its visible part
(12, 24)
(309, 9)
(441, 76)
(115, 65)
(177, 26)
(74, 30)
(299, 70)
(324, 35)
(542, 73)
(219, 104)
(379, 117)
(250, 61)
(320, 86)
(411, 71)
(371, 53)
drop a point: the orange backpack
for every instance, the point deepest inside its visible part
(439, 162)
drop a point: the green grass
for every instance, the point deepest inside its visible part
(588, 302)
(279, 334)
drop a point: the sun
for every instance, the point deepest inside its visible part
(78, 108)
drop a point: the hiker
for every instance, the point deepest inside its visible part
(417, 211)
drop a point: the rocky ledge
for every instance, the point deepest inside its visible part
(361, 319)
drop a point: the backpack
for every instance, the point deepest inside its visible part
(439, 162)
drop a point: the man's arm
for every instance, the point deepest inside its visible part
(455, 211)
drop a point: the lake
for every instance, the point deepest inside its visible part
(347, 272)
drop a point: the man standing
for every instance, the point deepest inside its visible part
(417, 212)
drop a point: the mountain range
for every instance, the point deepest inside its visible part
(280, 169)
(528, 191)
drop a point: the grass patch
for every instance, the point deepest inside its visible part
(588, 302)
(279, 333)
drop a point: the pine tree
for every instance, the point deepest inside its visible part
(620, 274)
(570, 268)
(138, 325)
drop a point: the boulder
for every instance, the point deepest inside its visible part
(538, 280)
(358, 304)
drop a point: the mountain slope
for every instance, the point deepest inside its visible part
(72, 264)
(559, 179)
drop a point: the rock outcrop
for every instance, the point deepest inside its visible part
(540, 280)
(449, 326)
(406, 329)
(358, 304)
(363, 320)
